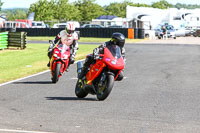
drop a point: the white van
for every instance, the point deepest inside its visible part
(59, 25)
(75, 23)
(38, 24)
(63, 25)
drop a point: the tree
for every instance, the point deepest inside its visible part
(14, 14)
(43, 10)
(65, 11)
(1, 3)
(89, 10)
(119, 9)
(58, 10)
(163, 4)
(179, 6)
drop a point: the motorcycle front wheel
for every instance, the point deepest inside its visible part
(56, 73)
(104, 90)
(79, 91)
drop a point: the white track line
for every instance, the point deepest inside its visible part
(24, 78)
(30, 76)
(22, 131)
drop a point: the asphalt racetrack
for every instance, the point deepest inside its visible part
(159, 94)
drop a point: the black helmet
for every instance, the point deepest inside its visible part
(118, 39)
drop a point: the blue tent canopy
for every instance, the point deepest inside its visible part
(110, 17)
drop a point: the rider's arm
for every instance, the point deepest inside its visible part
(123, 53)
(58, 37)
(98, 50)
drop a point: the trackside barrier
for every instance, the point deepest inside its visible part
(17, 39)
(138, 33)
(3, 40)
(131, 33)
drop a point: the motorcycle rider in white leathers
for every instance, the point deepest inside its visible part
(72, 38)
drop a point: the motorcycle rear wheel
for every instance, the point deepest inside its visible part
(56, 73)
(104, 91)
(79, 91)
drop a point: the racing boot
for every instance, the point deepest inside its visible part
(48, 65)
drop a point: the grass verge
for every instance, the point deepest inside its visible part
(20, 63)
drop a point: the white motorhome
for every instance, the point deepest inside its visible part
(117, 21)
(152, 17)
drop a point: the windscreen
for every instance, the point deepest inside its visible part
(115, 50)
(63, 48)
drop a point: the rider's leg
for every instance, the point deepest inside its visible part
(89, 60)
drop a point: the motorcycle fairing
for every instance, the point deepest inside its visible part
(95, 70)
(61, 51)
(114, 63)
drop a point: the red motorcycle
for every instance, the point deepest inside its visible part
(59, 61)
(101, 75)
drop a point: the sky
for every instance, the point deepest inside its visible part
(27, 3)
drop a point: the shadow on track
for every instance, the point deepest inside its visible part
(34, 82)
(71, 98)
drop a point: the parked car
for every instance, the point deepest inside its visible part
(92, 26)
(63, 25)
(59, 25)
(115, 26)
(180, 32)
(171, 33)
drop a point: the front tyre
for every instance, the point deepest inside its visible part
(104, 90)
(56, 73)
(79, 91)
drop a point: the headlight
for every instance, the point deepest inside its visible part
(55, 55)
(114, 62)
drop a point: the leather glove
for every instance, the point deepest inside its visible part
(96, 56)
(51, 45)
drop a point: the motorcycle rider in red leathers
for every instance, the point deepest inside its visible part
(72, 38)
(116, 39)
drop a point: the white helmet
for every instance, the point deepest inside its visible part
(70, 28)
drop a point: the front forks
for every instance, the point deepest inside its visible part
(102, 79)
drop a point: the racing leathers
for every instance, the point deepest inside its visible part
(72, 40)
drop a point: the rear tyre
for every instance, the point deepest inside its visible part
(104, 91)
(79, 91)
(56, 73)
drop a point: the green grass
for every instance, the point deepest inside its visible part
(16, 63)
(84, 39)
(20, 63)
